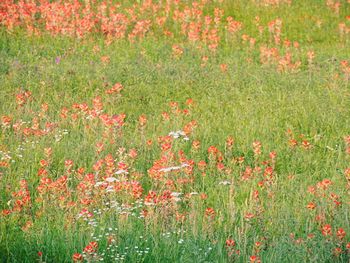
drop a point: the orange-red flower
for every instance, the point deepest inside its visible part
(254, 259)
(230, 243)
(327, 230)
(210, 212)
(77, 257)
(341, 233)
(311, 206)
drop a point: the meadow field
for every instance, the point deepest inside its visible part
(175, 131)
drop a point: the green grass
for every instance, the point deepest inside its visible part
(250, 102)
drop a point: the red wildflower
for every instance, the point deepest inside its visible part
(189, 102)
(230, 243)
(77, 257)
(220, 166)
(6, 212)
(210, 212)
(311, 205)
(212, 150)
(229, 141)
(91, 247)
(341, 233)
(327, 230)
(254, 259)
(337, 251)
(348, 246)
(249, 216)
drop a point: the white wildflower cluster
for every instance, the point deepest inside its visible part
(225, 182)
(176, 196)
(121, 172)
(116, 251)
(178, 134)
(110, 179)
(177, 235)
(5, 156)
(60, 134)
(19, 151)
(172, 168)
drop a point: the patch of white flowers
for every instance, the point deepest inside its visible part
(178, 134)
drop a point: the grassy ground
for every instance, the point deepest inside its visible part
(269, 213)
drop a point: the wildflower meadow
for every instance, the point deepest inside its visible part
(175, 131)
